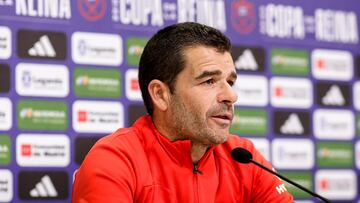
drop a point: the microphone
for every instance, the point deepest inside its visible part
(244, 156)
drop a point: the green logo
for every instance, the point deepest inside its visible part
(134, 49)
(249, 122)
(90, 82)
(42, 115)
(358, 124)
(5, 150)
(303, 178)
(289, 62)
(334, 154)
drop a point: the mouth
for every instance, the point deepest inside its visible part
(223, 119)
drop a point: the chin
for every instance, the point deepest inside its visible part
(220, 139)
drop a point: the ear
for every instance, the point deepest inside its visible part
(160, 94)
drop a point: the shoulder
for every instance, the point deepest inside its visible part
(110, 164)
(235, 141)
(121, 139)
(118, 147)
(130, 139)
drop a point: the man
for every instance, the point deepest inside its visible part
(180, 152)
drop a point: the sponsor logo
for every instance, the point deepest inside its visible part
(4, 78)
(287, 155)
(330, 184)
(342, 27)
(289, 62)
(356, 95)
(83, 146)
(135, 112)
(43, 185)
(332, 64)
(42, 115)
(334, 154)
(291, 92)
(5, 114)
(243, 17)
(5, 150)
(291, 123)
(90, 82)
(97, 117)
(32, 80)
(249, 59)
(92, 10)
(263, 146)
(132, 86)
(333, 94)
(303, 178)
(96, 48)
(42, 150)
(334, 124)
(39, 44)
(289, 22)
(249, 122)
(5, 42)
(207, 12)
(135, 47)
(55, 9)
(6, 185)
(282, 21)
(156, 13)
(139, 13)
(281, 188)
(251, 90)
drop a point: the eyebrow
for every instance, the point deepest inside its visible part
(205, 74)
(208, 73)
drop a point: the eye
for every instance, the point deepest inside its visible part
(209, 81)
(231, 83)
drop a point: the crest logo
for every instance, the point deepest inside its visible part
(243, 16)
(92, 10)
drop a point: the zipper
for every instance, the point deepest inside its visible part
(196, 169)
(196, 183)
(196, 173)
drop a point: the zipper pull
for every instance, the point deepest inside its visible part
(196, 169)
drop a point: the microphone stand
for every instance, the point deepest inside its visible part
(290, 181)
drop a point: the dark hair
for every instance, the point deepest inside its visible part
(163, 57)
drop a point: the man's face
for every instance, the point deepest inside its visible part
(201, 106)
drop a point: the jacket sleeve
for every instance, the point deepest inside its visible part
(102, 179)
(267, 187)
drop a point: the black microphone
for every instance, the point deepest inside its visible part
(244, 156)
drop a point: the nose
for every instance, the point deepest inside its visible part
(227, 94)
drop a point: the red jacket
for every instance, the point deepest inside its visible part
(137, 164)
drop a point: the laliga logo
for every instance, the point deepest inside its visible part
(243, 16)
(92, 10)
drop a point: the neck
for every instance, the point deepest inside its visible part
(197, 151)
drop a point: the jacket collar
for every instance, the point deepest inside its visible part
(178, 151)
